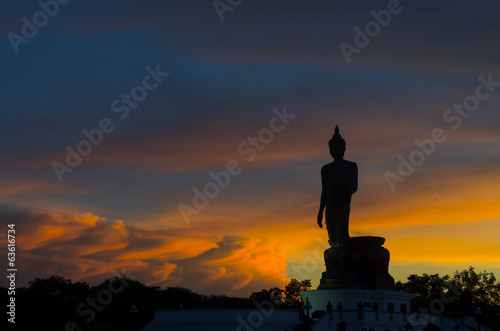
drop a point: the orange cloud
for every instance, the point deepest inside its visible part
(236, 265)
(89, 248)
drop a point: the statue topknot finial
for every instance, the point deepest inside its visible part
(337, 143)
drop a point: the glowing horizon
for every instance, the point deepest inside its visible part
(94, 180)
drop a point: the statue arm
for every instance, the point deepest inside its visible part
(353, 185)
(322, 202)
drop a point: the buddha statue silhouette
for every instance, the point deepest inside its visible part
(351, 262)
(339, 182)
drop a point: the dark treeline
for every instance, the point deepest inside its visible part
(120, 303)
(460, 295)
(56, 303)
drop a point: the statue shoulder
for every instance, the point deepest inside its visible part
(327, 167)
(351, 164)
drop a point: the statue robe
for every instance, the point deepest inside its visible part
(340, 181)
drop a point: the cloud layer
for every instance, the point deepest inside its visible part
(120, 207)
(86, 247)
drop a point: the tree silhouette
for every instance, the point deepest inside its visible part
(274, 294)
(461, 295)
(425, 288)
(293, 291)
(52, 303)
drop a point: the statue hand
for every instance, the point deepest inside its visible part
(320, 220)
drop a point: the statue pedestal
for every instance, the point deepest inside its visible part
(356, 291)
(361, 308)
(364, 266)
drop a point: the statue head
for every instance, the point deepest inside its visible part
(337, 145)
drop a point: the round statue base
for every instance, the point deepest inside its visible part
(362, 264)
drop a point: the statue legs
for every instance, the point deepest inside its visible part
(337, 224)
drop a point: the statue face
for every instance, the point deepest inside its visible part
(337, 151)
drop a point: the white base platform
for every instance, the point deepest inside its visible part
(359, 319)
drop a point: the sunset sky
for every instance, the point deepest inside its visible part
(171, 94)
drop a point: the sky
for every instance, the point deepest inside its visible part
(181, 142)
